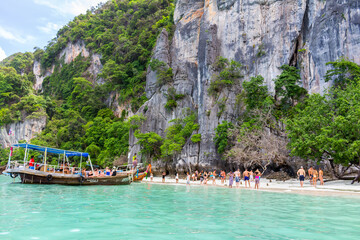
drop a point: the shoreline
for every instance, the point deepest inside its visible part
(335, 188)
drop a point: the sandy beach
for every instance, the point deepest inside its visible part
(330, 188)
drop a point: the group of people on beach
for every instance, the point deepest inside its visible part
(204, 177)
(314, 175)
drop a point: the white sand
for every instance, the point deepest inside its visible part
(331, 188)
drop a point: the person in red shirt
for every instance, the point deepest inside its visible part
(31, 163)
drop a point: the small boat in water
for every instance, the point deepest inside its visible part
(31, 173)
(139, 177)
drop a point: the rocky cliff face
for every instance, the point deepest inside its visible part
(262, 35)
(68, 54)
(21, 131)
(27, 129)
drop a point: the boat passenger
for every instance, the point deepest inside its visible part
(31, 163)
(108, 171)
(134, 163)
(96, 172)
(114, 172)
(83, 172)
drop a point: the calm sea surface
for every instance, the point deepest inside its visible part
(142, 211)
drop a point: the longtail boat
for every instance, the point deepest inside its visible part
(139, 177)
(59, 174)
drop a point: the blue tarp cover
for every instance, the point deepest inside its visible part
(51, 150)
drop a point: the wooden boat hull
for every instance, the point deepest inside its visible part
(139, 177)
(40, 177)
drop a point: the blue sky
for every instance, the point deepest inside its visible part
(25, 24)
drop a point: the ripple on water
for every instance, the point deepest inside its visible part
(143, 211)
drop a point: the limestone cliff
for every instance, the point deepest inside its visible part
(68, 54)
(21, 131)
(262, 35)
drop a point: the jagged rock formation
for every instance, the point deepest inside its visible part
(21, 131)
(262, 35)
(39, 75)
(68, 54)
(30, 127)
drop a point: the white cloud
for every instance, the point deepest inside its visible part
(2, 54)
(15, 37)
(49, 28)
(72, 7)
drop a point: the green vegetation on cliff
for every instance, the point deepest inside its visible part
(124, 33)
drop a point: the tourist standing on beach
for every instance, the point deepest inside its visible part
(237, 178)
(246, 177)
(301, 174)
(231, 179)
(251, 176)
(196, 175)
(214, 177)
(205, 177)
(315, 175)
(223, 176)
(201, 177)
(310, 172)
(177, 177)
(163, 177)
(151, 177)
(257, 178)
(187, 178)
(321, 176)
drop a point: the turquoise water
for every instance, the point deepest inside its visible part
(142, 211)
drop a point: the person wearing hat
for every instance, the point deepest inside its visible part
(301, 174)
(113, 171)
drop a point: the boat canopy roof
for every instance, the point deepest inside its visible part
(51, 150)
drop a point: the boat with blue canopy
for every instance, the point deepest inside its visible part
(31, 172)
